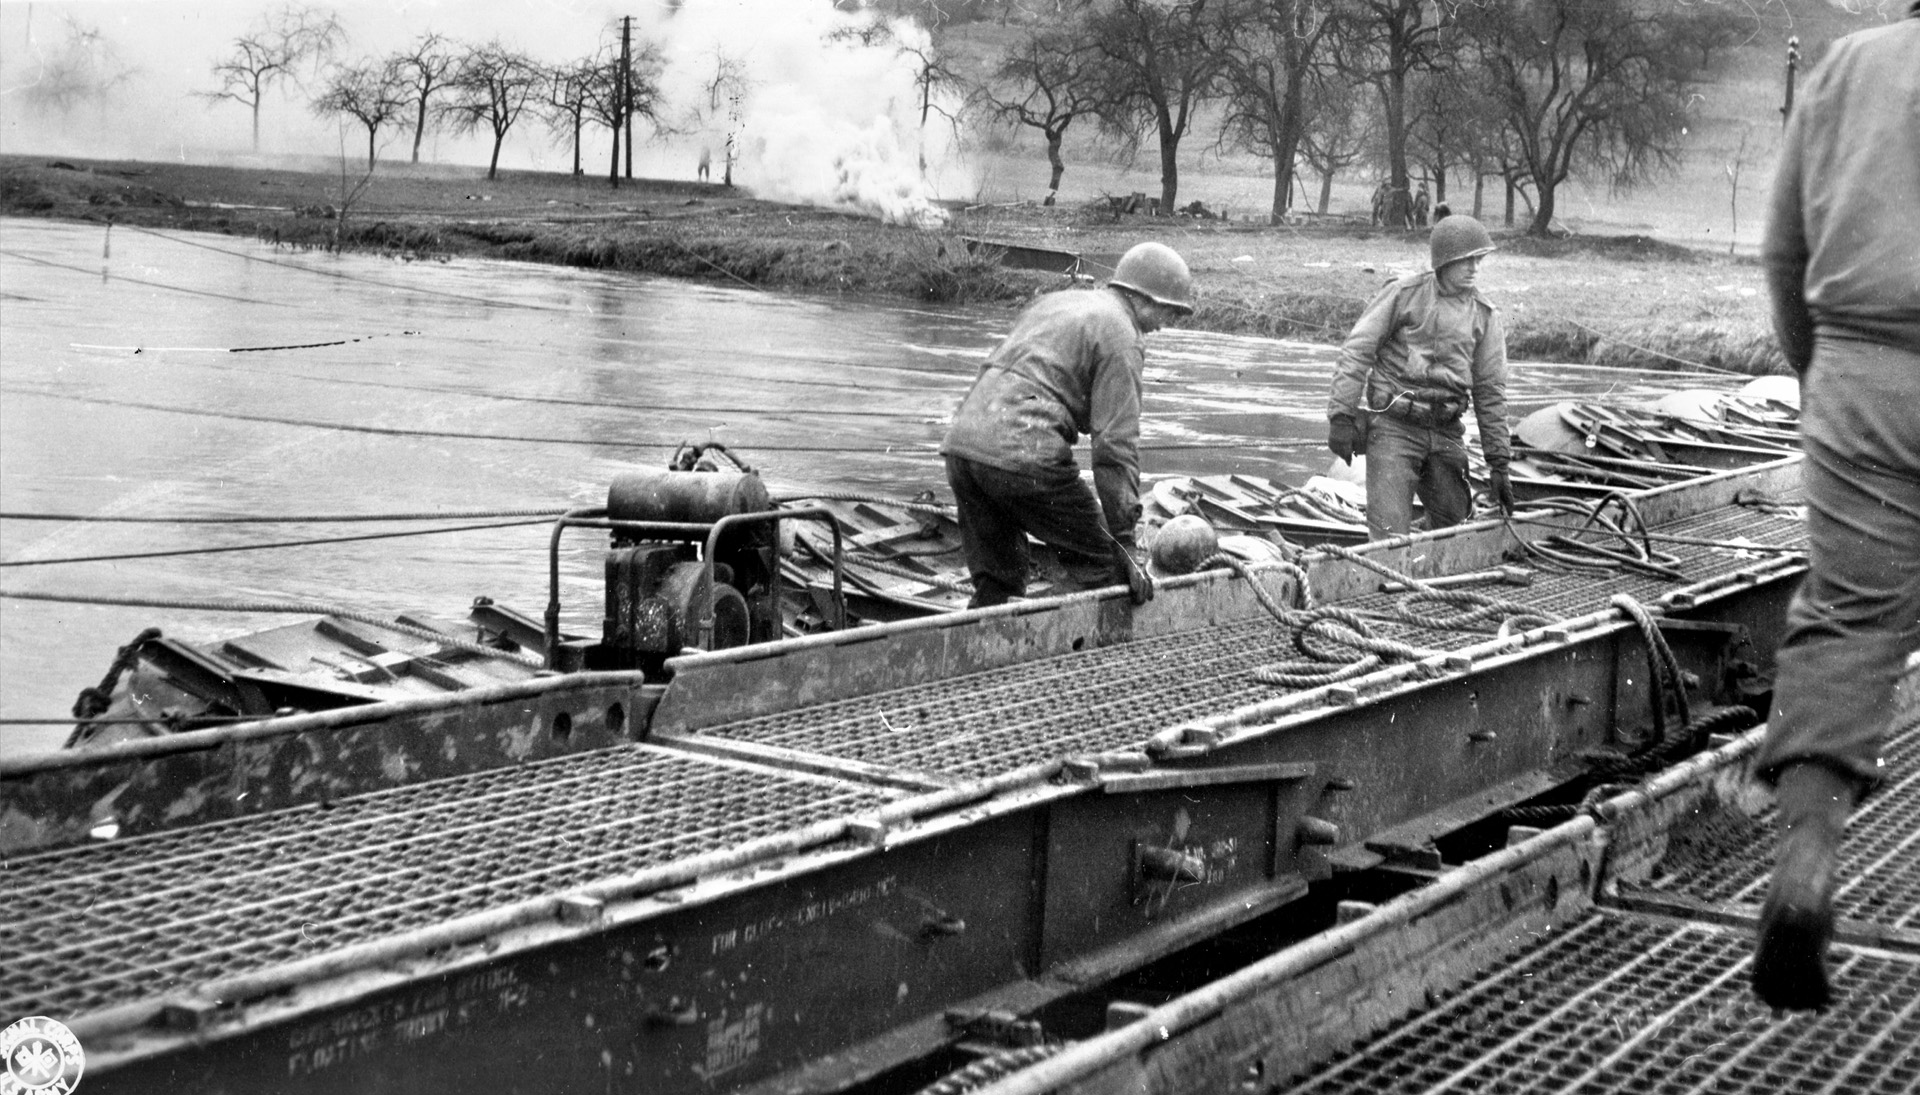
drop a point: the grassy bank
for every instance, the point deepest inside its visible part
(1616, 300)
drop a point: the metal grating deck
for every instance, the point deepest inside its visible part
(121, 922)
(1116, 697)
(1723, 859)
(1570, 595)
(1622, 1004)
(1631, 1001)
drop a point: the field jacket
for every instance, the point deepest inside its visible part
(1071, 365)
(1417, 347)
(1842, 241)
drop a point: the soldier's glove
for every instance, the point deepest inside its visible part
(1139, 582)
(1342, 435)
(1502, 485)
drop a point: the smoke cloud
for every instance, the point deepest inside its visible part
(815, 104)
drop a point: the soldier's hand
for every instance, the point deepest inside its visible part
(1342, 435)
(1139, 582)
(1502, 484)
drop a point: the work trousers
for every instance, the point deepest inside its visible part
(1856, 617)
(1000, 508)
(1404, 460)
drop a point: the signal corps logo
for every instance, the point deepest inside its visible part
(39, 1056)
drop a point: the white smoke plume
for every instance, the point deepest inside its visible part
(816, 105)
(823, 105)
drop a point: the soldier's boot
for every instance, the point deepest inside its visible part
(1796, 923)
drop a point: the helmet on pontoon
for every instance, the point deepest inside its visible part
(1458, 237)
(1156, 272)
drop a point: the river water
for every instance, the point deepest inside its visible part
(147, 374)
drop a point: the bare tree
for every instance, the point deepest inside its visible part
(279, 45)
(563, 104)
(491, 86)
(368, 92)
(1159, 60)
(612, 100)
(1398, 37)
(1044, 82)
(1592, 86)
(1343, 132)
(85, 67)
(1266, 65)
(423, 68)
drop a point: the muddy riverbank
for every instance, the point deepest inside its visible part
(1611, 300)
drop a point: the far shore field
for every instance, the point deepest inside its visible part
(1613, 300)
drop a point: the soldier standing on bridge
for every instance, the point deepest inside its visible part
(1071, 365)
(1424, 346)
(1842, 252)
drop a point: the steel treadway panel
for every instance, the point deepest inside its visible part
(1630, 1004)
(120, 922)
(1114, 698)
(1574, 594)
(1723, 859)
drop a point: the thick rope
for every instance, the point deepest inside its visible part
(299, 608)
(1337, 643)
(1617, 773)
(1454, 609)
(1667, 680)
(957, 585)
(918, 505)
(988, 1069)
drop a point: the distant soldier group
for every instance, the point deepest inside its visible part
(1412, 211)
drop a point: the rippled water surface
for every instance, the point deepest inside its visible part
(173, 375)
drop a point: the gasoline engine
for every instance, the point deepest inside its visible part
(664, 594)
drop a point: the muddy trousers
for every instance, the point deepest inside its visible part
(1000, 508)
(1404, 460)
(1856, 618)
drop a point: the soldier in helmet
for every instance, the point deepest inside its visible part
(1071, 365)
(1842, 254)
(1426, 345)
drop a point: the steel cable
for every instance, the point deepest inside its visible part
(282, 519)
(124, 556)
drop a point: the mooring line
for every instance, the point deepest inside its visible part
(899, 449)
(281, 519)
(339, 276)
(143, 281)
(540, 399)
(234, 349)
(903, 449)
(261, 547)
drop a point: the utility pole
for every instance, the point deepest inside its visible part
(1793, 62)
(626, 84)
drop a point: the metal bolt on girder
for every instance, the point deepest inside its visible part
(868, 830)
(1317, 830)
(1520, 834)
(1122, 1013)
(577, 909)
(1167, 865)
(1346, 912)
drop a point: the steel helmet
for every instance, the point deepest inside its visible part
(1156, 272)
(1458, 237)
